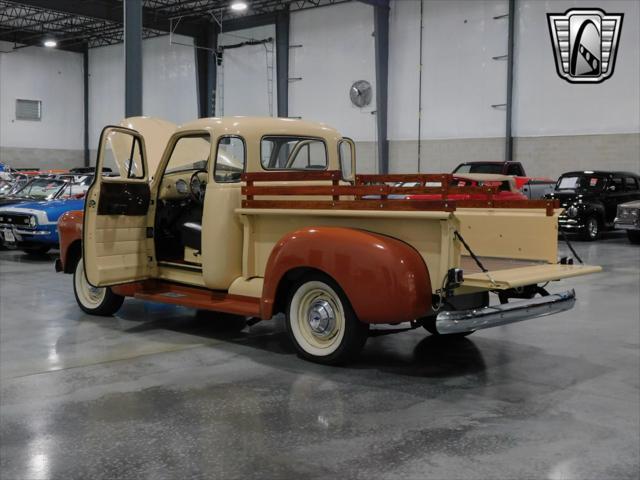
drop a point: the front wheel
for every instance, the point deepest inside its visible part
(592, 229)
(634, 236)
(94, 300)
(321, 322)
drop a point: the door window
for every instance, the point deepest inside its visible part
(514, 169)
(631, 183)
(231, 160)
(122, 153)
(616, 184)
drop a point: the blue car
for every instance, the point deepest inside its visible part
(31, 226)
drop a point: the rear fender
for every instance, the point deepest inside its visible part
(385, 279)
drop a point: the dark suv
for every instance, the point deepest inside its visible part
(590, 199)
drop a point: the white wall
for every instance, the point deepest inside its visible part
(545, 104)
(169, 83)
(243, 87)
(56, 78)
(460, 81)
(337, 49)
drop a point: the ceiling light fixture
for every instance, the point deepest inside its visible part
(50, 43)
(239, 6)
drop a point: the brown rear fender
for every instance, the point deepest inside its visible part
(385, 279)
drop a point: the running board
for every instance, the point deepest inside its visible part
(199, 298)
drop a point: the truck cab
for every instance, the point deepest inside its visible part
(152, 224)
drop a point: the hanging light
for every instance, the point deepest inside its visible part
(239, 6)
(50, 43)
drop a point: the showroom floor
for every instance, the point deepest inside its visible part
(156, 393)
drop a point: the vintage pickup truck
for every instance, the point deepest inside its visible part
(259, 216)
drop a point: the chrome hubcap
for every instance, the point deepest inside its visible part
(593, 228)
(321, 318)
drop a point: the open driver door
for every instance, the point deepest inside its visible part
(116, 214)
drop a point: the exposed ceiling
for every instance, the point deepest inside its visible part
(77, 25)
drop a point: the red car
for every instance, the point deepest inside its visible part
(506, 186)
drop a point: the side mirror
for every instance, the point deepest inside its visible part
(612, 188)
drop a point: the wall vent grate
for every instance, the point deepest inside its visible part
(28, 109)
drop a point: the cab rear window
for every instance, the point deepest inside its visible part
(293, 153)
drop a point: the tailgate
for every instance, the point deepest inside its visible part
(522, 276)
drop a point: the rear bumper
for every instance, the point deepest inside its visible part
(495, 316)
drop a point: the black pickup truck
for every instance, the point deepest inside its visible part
(591, 199)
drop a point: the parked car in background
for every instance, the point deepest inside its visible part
(532, 188)
(590, 199)
(505, 188)
(32, 227)
(628, 218)
(12, 182)
(45, 189)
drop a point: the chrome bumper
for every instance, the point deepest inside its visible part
(493, 316)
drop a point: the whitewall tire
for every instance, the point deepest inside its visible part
(321, 323)
(94, 300)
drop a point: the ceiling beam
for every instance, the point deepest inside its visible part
(112, 11)
(28, 39)
(376, 3)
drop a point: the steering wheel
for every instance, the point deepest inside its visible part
(197, 187)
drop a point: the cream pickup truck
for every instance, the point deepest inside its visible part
(258, 216)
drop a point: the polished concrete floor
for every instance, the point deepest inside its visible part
(157, 393)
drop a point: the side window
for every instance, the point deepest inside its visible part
(631, 183)
(616, 184)
(122, 153)
(514, 169)
(231, 160)
(293, 153)
(346, 159)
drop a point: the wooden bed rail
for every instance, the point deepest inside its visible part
(371, 192)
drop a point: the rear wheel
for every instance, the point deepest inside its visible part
(321, 322)
(94, 300)
(634, 236)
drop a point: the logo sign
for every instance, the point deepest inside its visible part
(585, 43)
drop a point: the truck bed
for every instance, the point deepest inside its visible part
(516, 240)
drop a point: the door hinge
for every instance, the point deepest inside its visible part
(149, 232)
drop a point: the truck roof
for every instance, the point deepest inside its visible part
(259, 126)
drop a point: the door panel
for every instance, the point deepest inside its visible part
(124, 199)
(115, 244)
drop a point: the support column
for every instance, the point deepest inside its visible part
(381, 31)
(282, 63)
(132, 57)
(508, 152)
(85, 70)
(207, 41)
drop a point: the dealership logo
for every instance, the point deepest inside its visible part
(585, 43)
